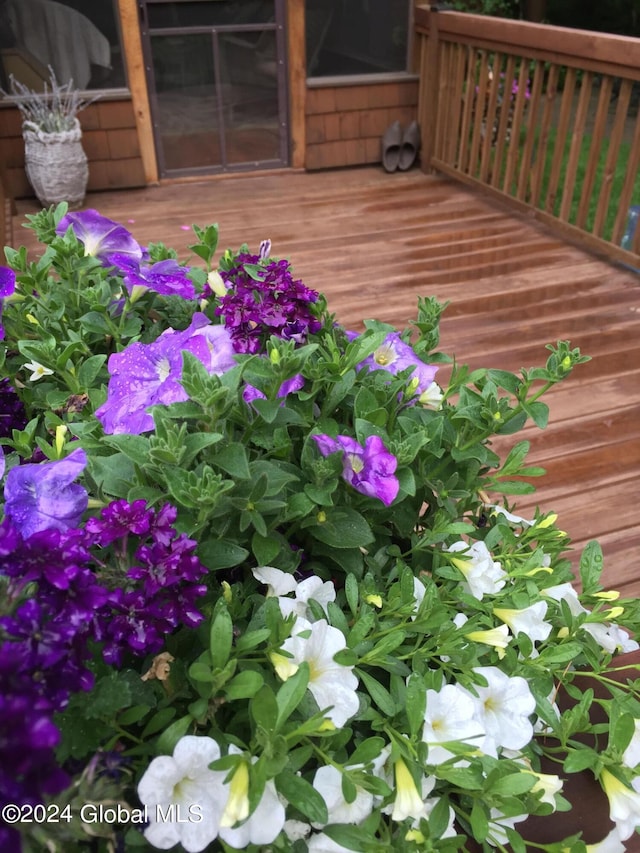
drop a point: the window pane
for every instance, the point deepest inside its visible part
(79, 39)
(357, 37)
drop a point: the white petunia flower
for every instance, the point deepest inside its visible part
(496, 637)
(183, 787)
(549, 784)
(503, 707)
(432, 397)
(611, 844)
(565, 592)
(624, 803)
(328, 783)
(498, 824)
(450, 716)
(611, 638)
(408, 802)
(332, 685)
(37, 370)
(276, 581)
(511, 518)
(263, 825)
(529, 620)
(631, 755)
(280, 584)
(321, 843)
(483, 576)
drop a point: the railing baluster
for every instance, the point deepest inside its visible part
(615, 138)
(524, 177)
(595, 151)
(577, 140)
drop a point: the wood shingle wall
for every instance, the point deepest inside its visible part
(345, 123)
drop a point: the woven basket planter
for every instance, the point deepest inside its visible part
(56, 165)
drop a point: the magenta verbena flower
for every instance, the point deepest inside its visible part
(100, 236)
(167, 277)
(145, 375)
(394, 356)
(369, 469)
(42, 496)
(12, 411)
(7, 287)
(276, 304)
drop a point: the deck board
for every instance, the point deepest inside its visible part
(375, 242)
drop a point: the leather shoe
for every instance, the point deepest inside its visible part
(410, 147)
(391, 144)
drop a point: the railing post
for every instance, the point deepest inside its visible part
(428, 91)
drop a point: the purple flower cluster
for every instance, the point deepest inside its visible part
(160, 587)
(262, 299)
(369, 469)
(12, 411)
(128, 601)
(145, 375)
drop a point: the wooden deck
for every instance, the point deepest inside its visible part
(374, 242)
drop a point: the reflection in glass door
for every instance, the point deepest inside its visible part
(217, 84)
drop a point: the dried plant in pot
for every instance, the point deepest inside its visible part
(55, 161)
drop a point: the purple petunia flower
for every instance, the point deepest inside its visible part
(251, 393)
(41, 496)
(369, 469)
(7, 286)
(394, 355)
(145, 375)
(101, 237)
(266, 302)
(165, 277)
(12, 411)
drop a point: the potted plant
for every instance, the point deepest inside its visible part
(55, 161)
(261, 587)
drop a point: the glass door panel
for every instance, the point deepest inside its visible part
(217, 84)
(252, 119)
(186, 105)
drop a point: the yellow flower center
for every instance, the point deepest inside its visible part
(355, 462)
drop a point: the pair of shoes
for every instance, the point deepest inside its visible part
(399, 151)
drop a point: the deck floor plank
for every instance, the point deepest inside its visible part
(375, 242)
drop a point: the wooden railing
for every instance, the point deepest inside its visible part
(543, 116)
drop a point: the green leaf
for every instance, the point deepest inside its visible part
(134, 447)
(559, 655)
(591, 565)
(367, 751)
(265, 548)
(197, 441)
(264, 708)
(221, 636)
(479, 821)
(351, 592)
(291, 693)
(170, 737)
(378, 693)
(416, 701)
(244, 686)
(580, 759)
(221, 554)
(351, 837)
(109, 695)
(297, 790)
(89, 370)
(343, 528)
(160, 720)
(233, 459)
(514, 784)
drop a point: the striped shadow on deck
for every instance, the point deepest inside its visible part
(374, 242)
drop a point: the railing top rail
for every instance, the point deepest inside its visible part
(580, 48)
